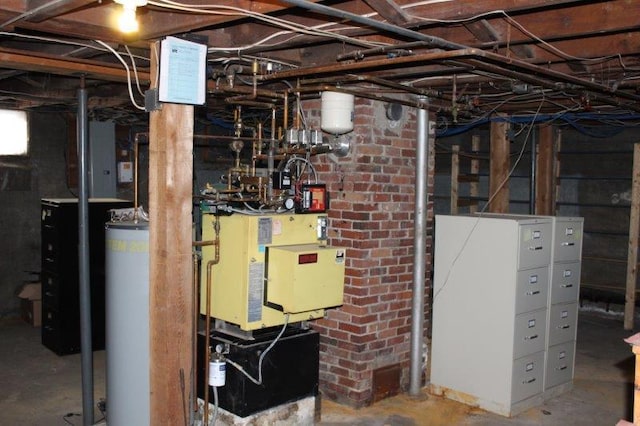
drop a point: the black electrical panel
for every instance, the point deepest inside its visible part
(289, 370)
(60, 272)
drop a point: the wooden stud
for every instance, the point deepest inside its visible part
(455, 173)
(499, 168)
(545, 176)
(475, 170)
(634, 228)
(171, 304)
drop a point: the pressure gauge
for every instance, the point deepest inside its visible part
(288, 203)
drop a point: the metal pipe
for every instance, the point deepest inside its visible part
(404, 32)
(83, 259)
(358, 55)
(419, 252)
(478, 59)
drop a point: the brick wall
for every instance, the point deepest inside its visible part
(371, 213)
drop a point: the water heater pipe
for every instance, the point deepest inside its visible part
(86, 357)
(419, 252)
(207, 318)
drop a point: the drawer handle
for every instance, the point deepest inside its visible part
(566, 285)
(535, 336)
(531, 380)
(48, 328)
(563, 327)
(567, 244)
(531, 293)
(535, 248)
(564, 367)
(48, 294)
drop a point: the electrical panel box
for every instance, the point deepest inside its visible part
(266, 268)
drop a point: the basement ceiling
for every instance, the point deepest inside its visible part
(469, 58)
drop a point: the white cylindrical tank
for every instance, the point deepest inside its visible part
(127, 323)
(337, 112)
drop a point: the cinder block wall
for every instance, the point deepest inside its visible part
(371, 213)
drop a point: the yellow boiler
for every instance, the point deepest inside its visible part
(270, 265)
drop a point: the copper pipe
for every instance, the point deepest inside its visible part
(212, 88)
(207, 325)
(296, 124)
(203, 243)
(499, 64)
(135, 178)
(285, 112)
(194, 343)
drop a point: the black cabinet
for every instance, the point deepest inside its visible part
(60, 274)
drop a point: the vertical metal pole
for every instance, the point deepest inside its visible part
(532, 182)
(419, 261)
(83, 260)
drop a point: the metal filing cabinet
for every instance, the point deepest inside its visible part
(563, 304)
(491, 292)
(60, 275)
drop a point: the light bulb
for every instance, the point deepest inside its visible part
(127, 22)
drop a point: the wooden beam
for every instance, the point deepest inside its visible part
(545, 175)
(39, 62)
(499, 168)
(171, 306)
(634, 230)
(390, 11)
(41, 10)
(455, 173)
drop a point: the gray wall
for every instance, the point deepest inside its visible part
(23, 182)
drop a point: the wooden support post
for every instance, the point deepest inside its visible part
(557, 169)
(634, 229)
(546, 177)
(475, 170)
(455, 174)
(499, 168)
(171, 304)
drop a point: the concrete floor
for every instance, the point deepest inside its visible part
(41, 389)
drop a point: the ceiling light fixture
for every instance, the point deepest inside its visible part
(127, 22)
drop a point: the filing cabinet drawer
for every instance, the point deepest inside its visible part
(528, 373)
(530, 333)
(50, 216)
(560, 362)
(50, 289)
(563, 321)
(535, 245)
(568, 240)
(51, 250)
(565, 282)
(51, 328)
(60, 330)
(532, 289)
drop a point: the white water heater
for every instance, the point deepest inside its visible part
(127, 318)
(337, 112)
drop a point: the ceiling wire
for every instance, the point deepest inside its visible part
(124, 63)
(236, 11)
